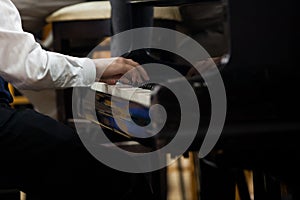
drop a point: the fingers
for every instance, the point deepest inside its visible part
(203, 66)
(130, 62)
(137, 66)
(112, 80)
(127, 67)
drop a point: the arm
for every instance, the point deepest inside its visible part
(26, 65)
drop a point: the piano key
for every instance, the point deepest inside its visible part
(127, 92)
(100, 87)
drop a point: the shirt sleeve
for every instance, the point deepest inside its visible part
(27, 66)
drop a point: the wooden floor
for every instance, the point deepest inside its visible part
(183, 182)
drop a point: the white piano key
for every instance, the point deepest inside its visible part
(127, 92)
(100, 87)
(110, 88)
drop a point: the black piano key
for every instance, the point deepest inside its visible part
(148, 86)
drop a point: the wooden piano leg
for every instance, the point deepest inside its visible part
(242, 185)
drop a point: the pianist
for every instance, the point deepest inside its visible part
(40, 156)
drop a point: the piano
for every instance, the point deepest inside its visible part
(261, 75)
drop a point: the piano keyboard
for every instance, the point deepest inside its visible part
(126, 104)
(126, 92)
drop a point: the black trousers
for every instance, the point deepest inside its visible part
(47, 160)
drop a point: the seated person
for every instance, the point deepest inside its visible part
(40, 156)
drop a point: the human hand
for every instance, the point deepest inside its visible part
(203, 66)
(110, 70)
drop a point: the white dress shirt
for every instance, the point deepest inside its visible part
(27, 66)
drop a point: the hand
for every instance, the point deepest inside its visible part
(203, 66)
(110, 70)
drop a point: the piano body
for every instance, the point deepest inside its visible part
(261, 130)
(262, 126)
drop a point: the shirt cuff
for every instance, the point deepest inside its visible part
(88, 71)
